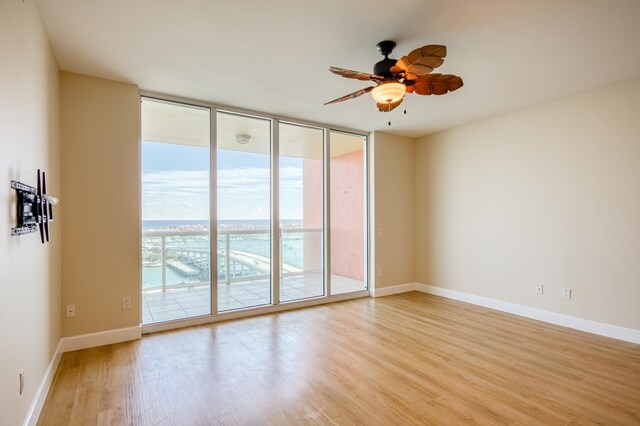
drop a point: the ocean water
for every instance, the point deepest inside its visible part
(163, 224)
(258, 223)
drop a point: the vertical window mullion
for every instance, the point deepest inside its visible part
(327, 211)
(367, 245)
(213, 209)
(276, 233)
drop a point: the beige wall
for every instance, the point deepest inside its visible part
(29, 271)
(100, 122)
(392, 209)
(549, 195)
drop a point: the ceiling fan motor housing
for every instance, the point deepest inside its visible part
(382, 68)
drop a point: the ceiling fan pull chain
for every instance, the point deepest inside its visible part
(405, 104)
(389, 113)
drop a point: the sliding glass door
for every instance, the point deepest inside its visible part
(348, 212)
(175, 211)
(244, 211)
(301, 196)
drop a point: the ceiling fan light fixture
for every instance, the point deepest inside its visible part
(388, 92)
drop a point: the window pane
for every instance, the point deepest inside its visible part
(244, 211)
(175, 211)
(301, 212)
(348, 250)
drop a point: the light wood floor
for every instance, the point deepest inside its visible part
(404, 359)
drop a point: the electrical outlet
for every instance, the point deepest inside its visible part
(126, 302)
(70, 311)
(379, 272)
(540, 289)
(566, 293)
(21, 382)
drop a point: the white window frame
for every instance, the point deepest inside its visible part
(275, 305)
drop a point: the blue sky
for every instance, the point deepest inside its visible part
(175, 184)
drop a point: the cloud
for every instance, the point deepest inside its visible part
(175, 194)
(243, 192)
(245, 180)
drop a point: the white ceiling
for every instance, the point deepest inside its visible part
(273, 56)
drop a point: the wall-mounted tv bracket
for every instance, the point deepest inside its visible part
(34, 208)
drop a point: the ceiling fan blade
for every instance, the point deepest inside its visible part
(352, 95)
(354, 74)
(420, 61)
(428, 50)
(389, 106)
(436, 84)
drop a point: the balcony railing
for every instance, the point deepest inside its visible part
(187, 253)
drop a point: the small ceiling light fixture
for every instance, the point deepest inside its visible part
(243, 139)
(388, 92)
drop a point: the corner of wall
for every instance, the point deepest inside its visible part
(393, 214)
(100, 128)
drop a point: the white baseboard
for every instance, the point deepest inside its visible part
(67, 344)
(100, 338)
(43, 389)
(395, 289)
(594, 327)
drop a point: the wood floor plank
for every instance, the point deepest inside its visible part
(403, 359)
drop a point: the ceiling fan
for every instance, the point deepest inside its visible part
(409, 74)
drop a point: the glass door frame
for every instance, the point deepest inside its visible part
(275, 305)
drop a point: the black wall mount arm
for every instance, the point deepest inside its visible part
(34, 208)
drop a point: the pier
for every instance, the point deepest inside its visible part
(184, 269)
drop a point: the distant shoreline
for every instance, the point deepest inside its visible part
(204, 224)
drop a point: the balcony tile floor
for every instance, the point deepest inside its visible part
(172, 304)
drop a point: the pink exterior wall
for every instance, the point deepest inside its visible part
(347, 213)
(312, 190)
